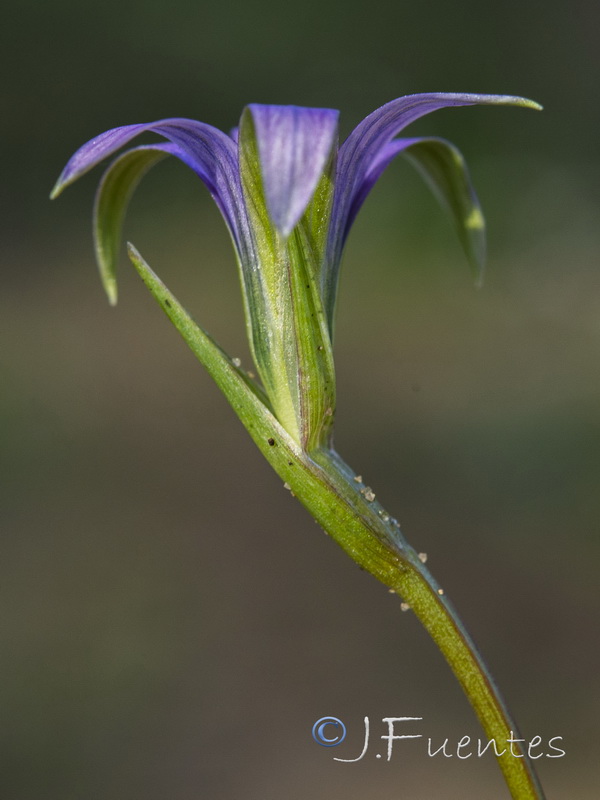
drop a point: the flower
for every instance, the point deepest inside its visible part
(289, 196)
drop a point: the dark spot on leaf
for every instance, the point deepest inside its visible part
(271, 442)
(168, 305)
(290, 463)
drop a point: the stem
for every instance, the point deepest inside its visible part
(415, 584)
(348, 511)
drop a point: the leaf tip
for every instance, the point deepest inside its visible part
(57, 188)
(138, 262)
(110, 287)
(525, 102)
(532, 104)
(133, 253)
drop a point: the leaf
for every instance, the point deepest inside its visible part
(241, 391)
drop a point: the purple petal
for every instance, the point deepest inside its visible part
(294, 146)
(443, 168)
(207, 150)
(378, 165)
(360, 150)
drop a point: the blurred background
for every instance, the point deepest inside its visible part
(173, 622)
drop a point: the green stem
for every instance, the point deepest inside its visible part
(350, 514)
(406, 574)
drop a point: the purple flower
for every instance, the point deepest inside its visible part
(289, 196)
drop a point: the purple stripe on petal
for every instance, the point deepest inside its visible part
(294, 145)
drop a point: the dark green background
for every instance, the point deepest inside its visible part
(172, 621)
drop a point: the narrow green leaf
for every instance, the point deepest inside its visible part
(444, 169)
(237, 386)
(112, 198)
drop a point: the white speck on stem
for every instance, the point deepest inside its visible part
(404, 607)
(237, 362)
(422, 557)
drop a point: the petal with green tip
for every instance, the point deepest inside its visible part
(444, 169)
(210, 152)
(364, 146)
